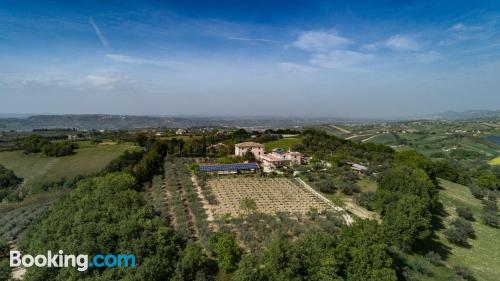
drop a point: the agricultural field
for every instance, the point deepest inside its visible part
(177, 196)
(495, 161)
(35, 168)
(271, 195)
(285, 143)
(15, 217)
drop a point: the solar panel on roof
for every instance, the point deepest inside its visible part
(229, 167)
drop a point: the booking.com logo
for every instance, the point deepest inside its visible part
(80, 262)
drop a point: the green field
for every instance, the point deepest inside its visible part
(483, 257)
(495, 161)
(285, 143)
(39, 168)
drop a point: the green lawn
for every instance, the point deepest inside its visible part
(284, 143)
(39, 168)
(483, 257)
(495, 161)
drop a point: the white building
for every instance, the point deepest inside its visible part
(180, 132)
(256, 148)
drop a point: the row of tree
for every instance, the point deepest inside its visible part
(37, 143)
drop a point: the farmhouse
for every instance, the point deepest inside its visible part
(180, 132)
(274, 161)
(256, 148)
(224, 169)
(358, 167)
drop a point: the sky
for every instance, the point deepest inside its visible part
(356, 59)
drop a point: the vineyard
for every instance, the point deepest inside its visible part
(254, 207)
(271, 195)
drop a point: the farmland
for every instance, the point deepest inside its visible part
(495, 161)
(270, 196)
(285, 143)
(35, 168)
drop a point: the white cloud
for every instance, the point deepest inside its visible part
(428, 57)
(341, 59)
(295, 67)
(320, 41)
(457, 27)
(134, 60)
(252, 39)
(400, 42)
(97, 30)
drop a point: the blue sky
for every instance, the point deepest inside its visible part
(287, 58)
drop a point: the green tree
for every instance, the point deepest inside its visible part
(104, 215)
(249, 156)
(487, 180)
(407, 221)
(405, 180)
(193, 264)
(363, 253)
(228, 252)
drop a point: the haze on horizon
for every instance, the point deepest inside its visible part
(369, 59)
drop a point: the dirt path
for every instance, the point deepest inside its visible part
(360, 211)
(17, 272)
(367, 139)
(207, 206)
(340, 129)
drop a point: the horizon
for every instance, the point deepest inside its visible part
(318, 59)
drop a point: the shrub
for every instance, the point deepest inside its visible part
(433, 257)
(477, 192)
(490, 205)
(59, 149)
(349, 188)
(326, 186)
(365, 200)
(464, 226)
(456, 236)
(465, 213)
(490, 218)
(463, 272)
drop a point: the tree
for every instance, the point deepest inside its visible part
(249, 270)
(8, 181)
(326, 186)
(141, 139)
(193, 264)
(33, 144)
(405, 180)
(407, 221)
(104, 215)
(487, 180)
(227, 250)
(59, 149)
(249, 156)
(363, 253)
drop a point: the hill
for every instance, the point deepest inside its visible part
(36, 168)
(483, 255)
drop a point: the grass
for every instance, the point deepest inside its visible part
(495, 161)
(483, 255)
(284, 143)
(39, 168)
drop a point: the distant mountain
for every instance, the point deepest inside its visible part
(124, 122)
(464, 115)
